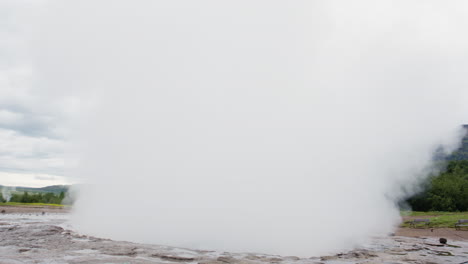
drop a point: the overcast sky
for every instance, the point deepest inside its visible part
(33, 123)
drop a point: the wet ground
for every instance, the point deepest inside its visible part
(45, 238)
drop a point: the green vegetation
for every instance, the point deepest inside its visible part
(438, 219)
(33, 204)
(447, 191)
(35, 198)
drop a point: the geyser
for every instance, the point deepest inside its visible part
(256, 126)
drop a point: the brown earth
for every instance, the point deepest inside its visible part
(32, 209)
(448, 233)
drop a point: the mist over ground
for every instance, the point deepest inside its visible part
(277, 127)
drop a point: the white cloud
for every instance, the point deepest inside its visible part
(20, 152)
(10, 118)
(32, 179)
(33, 120)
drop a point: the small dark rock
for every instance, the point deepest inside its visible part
(443, 240)
(172, 257)
(123, 253)
(12, 228)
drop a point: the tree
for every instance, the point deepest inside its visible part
(25, 198)
(446, 192)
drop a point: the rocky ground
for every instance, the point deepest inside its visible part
(33, 237)
(33, 209)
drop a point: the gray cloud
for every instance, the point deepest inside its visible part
(24, 121)
(33, 121)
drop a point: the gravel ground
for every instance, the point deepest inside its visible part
(449, 233)
(32, 209)
(36, 238)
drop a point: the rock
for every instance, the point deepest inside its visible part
(441, 253)
(49, 230)
(326, 258)
(291, 258)
(172, 257)
(211, 262)
(128, 253)
(443, 240)
(226, 259)
(253, 257)
(274, 260)
(13, 228)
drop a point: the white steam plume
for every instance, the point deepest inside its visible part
(7, 192)
(287, 127)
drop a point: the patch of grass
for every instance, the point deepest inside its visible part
(31, 204)
(431, 213)
(438, 219)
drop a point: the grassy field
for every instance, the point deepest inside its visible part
(438, 219)
(30, 204)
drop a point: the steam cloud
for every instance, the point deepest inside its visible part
(7, 192)
(286, 127)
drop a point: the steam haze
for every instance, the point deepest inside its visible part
(284, 127)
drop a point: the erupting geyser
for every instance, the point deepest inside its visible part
(257, 126)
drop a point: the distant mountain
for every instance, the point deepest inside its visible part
(56, 189)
